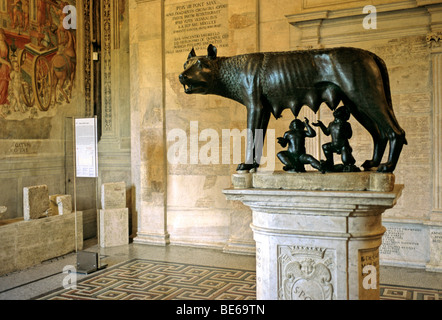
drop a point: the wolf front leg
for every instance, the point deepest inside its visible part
(257, 121)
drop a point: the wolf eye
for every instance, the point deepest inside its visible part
(202, 64)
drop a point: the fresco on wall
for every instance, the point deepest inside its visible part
(37, 58)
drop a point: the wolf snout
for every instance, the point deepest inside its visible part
(182, 77)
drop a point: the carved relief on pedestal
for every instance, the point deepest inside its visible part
(305, 273)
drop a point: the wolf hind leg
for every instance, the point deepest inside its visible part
(390, 129)
(380, 140)
(378, 118)
(397, 141)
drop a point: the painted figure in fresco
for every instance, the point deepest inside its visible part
(296, 157)
(5, 68)
(64, 62)
(340, 131)
(25, 7)
(17, 14)
(53, 67)
(43, 16)
(15, 89)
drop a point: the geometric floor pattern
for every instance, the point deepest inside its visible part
(141, 279)
(389, 292)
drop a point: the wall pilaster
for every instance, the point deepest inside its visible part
(147, 120)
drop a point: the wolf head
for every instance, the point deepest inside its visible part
(200, 72)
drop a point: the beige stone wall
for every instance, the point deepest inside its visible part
(182, 203)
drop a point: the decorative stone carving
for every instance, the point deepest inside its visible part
(305, 273)
(433, 39)
(107, 66)
(87, 58)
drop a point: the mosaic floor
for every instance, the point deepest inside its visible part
(389, 292)
(141, 279)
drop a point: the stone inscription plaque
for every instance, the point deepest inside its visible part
(404, 243)
(436, 237)
(196, 24)
(436, 247)
(23, 147)
(113, 195)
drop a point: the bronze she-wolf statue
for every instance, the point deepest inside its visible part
(268, 83)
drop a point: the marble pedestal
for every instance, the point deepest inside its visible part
(317, 244)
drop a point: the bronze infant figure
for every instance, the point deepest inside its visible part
(340, 131)
(295, 157)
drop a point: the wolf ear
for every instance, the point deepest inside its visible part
(191, 54)
(211, 51)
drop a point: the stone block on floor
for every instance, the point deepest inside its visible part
(114, 227)
(35, 202)
(64, 204)
(53, 207)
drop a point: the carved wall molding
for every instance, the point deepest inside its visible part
(333, 27)
(116, 11)
(107, 65)
(434, 39)
(89, 110)
(311, 4)
(436, 61)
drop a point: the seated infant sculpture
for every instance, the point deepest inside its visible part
(295, 157)
(268, 83)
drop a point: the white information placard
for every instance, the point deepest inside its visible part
(86, 147)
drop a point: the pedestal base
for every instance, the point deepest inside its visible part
(152, 239)
(316, 244)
